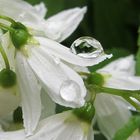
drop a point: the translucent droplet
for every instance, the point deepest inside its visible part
(87, 47)
(70, 91)
(57, 60)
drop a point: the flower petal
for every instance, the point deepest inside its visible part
(49, 106)
(121, 66)
(61, 25)
(60, 51)
(123, 82)
(21, 11)
(41, 9)
(30, 93)
(63, 126)
(54, 76)
(9, 100)
(111, 114)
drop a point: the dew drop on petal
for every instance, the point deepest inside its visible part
(87, 47)
(70, 91)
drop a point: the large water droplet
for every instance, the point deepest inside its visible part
(70, 91)
(87, 47)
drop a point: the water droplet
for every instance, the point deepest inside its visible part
(56, 60)
(70, 91)
(87, 47)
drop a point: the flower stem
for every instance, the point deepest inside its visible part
(120, 92)
(5, 27)
(7, 18)
(4, 57)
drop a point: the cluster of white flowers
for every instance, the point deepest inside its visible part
(37, 72)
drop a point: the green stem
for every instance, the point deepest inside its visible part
(84, 74)
(7, 18)
(132, 103)
(5, 27)
(120, 92)
(4, 57)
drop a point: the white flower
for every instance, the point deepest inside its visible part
(57, 27)
(112, 111)
(63, 126)
(43, 64)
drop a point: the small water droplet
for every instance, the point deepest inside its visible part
(70, 91)
(56, 60)
(22, 15)
(87, 47)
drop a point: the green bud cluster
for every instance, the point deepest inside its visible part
(7, 78)
(95, 79)
(19, 35)
(86, 112)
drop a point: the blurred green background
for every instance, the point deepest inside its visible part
(113, 22)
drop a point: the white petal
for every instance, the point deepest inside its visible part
(61, 25)
(54, 75)
(9, 100)
(41, 9)
(21, 11)
(63, 126)
(121, 66)
(65, 53)
(123, 82)
(13, 135)
(30, 93)
(111, 114)
(48, 106)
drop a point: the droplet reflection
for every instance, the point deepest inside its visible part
(87, 47)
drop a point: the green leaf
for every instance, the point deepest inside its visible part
(128, 129)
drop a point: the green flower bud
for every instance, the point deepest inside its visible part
(19, 35)
(95, 79)
(86, 112)
(7, 78)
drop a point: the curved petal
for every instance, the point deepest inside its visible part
(30, 94)
(9, 100)
(48, 106)
(60, 51)
(41, 9)
(121, 66)
(61, 25)
(111, 114)
(123, 82)
(63, 85)
(62, 126)
(21, 11)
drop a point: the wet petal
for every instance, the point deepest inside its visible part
(54, 76)
(60, 51)
(61, 25)
(30, 94)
